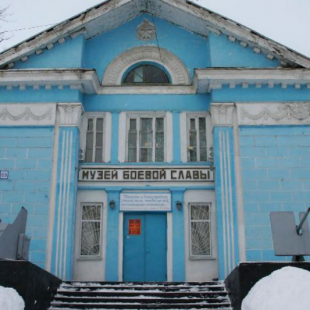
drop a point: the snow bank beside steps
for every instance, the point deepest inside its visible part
(287, 288)
(10, 299)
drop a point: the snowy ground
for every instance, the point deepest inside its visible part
(10, 300)
(287, 288)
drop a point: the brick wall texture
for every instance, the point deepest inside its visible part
(275, 163)
(27, 154)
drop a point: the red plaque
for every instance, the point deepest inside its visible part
(135, 227)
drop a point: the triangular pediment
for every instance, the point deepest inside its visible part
(113, 13)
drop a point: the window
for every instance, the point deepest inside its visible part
(146, 139)
(146, 74)
(200, 230)
(91, 230)
(197, 139)
(94, 140)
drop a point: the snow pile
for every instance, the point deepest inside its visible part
(10, 300)
(287, 288)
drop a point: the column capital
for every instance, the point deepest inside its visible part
(222, 114)
(69, 114)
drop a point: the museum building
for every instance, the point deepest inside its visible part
(150, 140)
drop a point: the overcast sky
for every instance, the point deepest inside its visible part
(285, 21)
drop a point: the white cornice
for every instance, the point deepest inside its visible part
(215, 78)
(205, 80)
(85, 80)
(147, 90)
(27, 114)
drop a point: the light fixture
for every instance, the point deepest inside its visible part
(112, 204)
(179, 205)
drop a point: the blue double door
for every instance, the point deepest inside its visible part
(145, 247)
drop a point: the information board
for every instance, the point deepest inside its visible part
(145, 202)
(134, 227)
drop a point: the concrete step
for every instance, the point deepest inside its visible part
(139, 295)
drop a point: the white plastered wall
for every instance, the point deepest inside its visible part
(200, 269)
(90, 269)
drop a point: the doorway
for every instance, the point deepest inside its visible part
(145, 247)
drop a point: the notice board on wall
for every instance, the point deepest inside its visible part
(134, 227)
(145, 202)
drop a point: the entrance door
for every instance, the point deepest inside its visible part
(145, 247)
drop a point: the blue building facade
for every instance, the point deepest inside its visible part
(149, 141)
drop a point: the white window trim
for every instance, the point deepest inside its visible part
(90, 257)
(209, 137)
(200, 257)
(106, 138)
(146, 115)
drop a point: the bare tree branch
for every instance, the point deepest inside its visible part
(3, 18)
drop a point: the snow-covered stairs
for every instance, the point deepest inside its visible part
(137, 295)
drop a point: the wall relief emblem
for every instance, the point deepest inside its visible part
(298, 111)
(146, 31)
(27, 114)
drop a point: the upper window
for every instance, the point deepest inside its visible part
(146, 139)
(197, 139)
(200, 230)
(146, 74)
(94, 139)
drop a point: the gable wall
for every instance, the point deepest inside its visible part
(224, 53)
(192, 49)
(66, 55)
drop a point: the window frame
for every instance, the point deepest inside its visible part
(84, 129)
(138, 117)
(91, 257)
(209, 143)
(143, 83)
(191, 255)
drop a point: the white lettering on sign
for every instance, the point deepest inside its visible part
(138, 174)
(145, 202)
